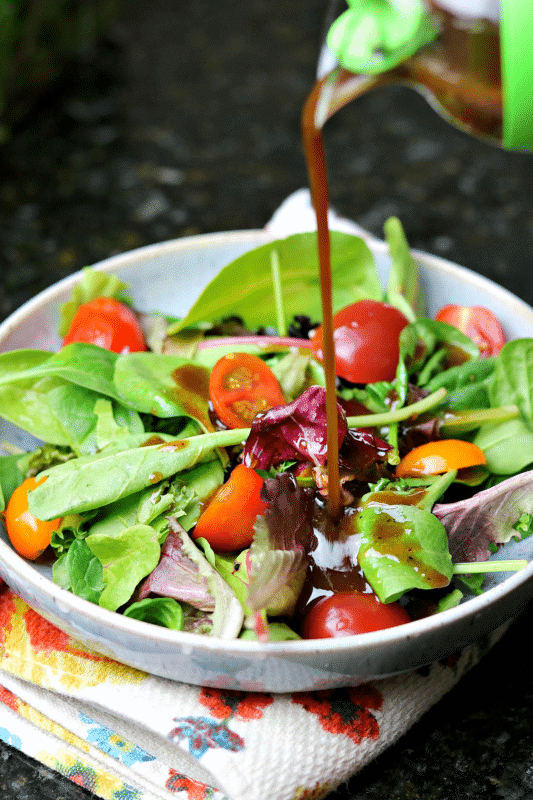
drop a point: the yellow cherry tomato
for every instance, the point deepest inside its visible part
(434, 458)
(29, 536)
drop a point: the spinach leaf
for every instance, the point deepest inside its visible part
(164, 611)
(467, 384)
(115, 421)
(508, 446)
(126, 558)
(82, 364)
(92, 482)
(38, 407)
(354, 277)
(277, 632)
(512, 381)
(80, 572)
(164, 385)
(11, 476)
(402, 547)
(182, 498)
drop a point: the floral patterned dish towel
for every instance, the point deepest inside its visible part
(127, 735)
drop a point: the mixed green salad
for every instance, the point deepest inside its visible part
(182, 477)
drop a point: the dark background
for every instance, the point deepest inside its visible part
(186, 120)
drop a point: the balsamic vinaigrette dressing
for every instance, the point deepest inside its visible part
(333, 556)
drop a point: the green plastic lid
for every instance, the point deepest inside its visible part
(516, 43)
(374, 36)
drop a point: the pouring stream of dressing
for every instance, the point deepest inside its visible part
(328, 96)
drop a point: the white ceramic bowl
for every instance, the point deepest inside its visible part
(169, 277)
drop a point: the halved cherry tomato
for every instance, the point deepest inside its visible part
(29, 536)
(347, 614)
(366, 338)
(228, 521)
(107, 323)
(434, 458)
(241, 386)
(478, 323)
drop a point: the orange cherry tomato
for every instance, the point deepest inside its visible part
(29, 536)
(228, 521)
(241, 386)
(478, 323)
(366, 336)
(107, 323)
(434, 458)
(347, 614)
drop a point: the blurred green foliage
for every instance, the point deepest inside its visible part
(37, 39)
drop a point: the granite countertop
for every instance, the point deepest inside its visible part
(187, 121)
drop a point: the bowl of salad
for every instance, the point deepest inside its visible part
(164, 477)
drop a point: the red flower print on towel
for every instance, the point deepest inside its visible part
(194, 790)
(345, 711)
(226, 703)
(9, 699)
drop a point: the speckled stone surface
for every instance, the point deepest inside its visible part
(188, 122)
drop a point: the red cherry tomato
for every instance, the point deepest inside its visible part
(347, 614)
(107, 323)
(366, 341)
(434, 458)
(240, 386)
(29, 536)
(228, 521)
(478, 323)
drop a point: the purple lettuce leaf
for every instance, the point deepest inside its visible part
(185, 574)
(364, 455)
(486, 518)
(294, 432)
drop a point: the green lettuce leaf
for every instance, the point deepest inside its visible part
(126, 558)
(354, 276)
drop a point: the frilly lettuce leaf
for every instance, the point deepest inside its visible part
(185, 574)
(296, 431)
(487, 518)
(278, 554)
(93, 284)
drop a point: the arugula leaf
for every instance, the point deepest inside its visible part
(354, 277)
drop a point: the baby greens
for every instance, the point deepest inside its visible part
(132, 453)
